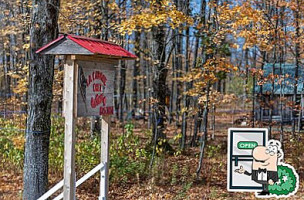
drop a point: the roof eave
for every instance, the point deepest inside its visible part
(50, 44)
(114, 57)
(43, 49)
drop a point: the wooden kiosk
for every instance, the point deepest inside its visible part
(89, 72)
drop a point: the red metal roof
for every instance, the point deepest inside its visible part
(50, 44)
(95, 46)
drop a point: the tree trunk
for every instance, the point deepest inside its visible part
(159, 85)
(105, 20)
(122, 89)
(282, 60)
(159, 80)
(43, 30)
(135, 94)
(203, 139)
(186, 85)
(261, 95)
(246, 77)
(297, 60)
(253, 88)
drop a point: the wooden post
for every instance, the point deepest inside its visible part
(70, 99)
(104, 173)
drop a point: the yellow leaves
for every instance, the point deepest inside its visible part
(113, 6)
(21, 87)
(235, 46)
(26, 46)
(205, 75)
(228, 98)
(155, 15)
(209, 51)
(216, 98)
(183, 109)
(19, 142)
(177, 137)
(247, 22)
(22, 80)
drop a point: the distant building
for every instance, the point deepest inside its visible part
(283, 86)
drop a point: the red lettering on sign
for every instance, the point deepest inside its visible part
(99, 98)
(100, 76)
(97, 75)
(97, 87)
(106, 110)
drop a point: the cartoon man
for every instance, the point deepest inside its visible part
(264, 165)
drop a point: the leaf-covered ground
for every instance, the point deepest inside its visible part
(211, 186)
(172, 176)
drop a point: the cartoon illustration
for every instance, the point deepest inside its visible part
(277, 179)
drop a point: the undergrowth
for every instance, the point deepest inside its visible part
(128, 158)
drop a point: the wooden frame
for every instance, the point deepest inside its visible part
(76, 49)
(70, 114)
(104, 174)
(70, 100)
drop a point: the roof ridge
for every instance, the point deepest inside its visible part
(92, 39)
(95, 46)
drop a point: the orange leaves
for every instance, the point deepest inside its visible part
(292, 5)
(247, 22)
(113, 6)
(216, 98)
(208, 73)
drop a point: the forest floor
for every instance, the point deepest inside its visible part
(175, 174)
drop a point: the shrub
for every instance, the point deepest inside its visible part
(127, 157)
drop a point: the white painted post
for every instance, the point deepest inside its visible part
(83, 179)
(104, 173)
(51, 191)
(70, 99)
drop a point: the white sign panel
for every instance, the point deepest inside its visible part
(95, 89)
(241, 142)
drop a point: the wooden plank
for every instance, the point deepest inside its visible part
(70, 73)
(100, 58)
(75, 88)
(104, 174)
(66, 47)
(51, 191)
(105, 64)
(95, 88)
(84, 178)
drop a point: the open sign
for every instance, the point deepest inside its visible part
(247, 144)
(241, 141)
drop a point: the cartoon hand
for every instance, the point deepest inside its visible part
(270, 182)
(241, 170)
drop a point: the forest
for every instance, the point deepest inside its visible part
(201, 67)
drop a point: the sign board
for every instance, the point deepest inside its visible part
(95, 89)
(88, 91)
(241, 142)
